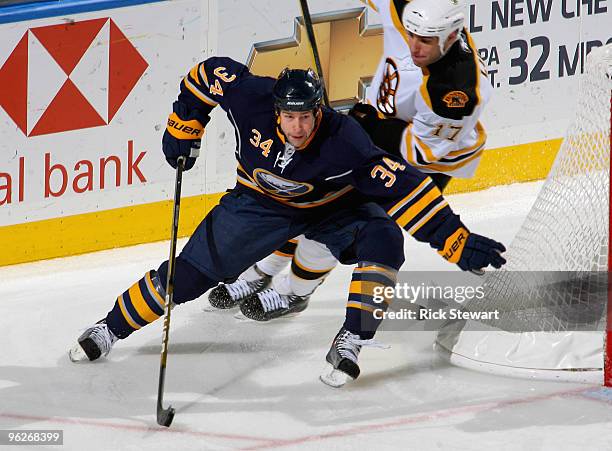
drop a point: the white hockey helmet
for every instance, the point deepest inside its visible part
(434, 18)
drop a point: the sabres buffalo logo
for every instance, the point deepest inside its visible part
(278, 186)
(456, 99)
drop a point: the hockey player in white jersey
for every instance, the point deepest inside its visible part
(424, 103)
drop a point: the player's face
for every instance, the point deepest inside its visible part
(424, 49)
(297, 126)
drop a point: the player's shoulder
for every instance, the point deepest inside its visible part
(452, 84)
(242, 86)
(347, 143)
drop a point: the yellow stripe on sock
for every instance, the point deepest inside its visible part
(126, 315)
(140, 304)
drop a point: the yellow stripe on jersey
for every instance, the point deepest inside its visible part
(480, 141)
(194, 74)
(425, 219)
(202, 71)
(370, 4)
(409, 155)
(439, 165)
(423, 88)
(475, 54)
(398, 206)
(397, 22)
(248, 183)
(429, 155)
(315, 203)
(419, 206)
(199, 94)
(453, 166)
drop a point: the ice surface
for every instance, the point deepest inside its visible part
(244, 385)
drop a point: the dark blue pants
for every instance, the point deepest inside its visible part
(241, 231)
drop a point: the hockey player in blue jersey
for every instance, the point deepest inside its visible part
(302, 169)
(424, 105)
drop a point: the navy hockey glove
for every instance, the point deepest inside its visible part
(183, 134)
(472, 252)
(366, 115)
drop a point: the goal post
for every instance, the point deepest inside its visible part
(608, 337)
(553, 297)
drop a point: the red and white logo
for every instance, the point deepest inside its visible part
(69, 76)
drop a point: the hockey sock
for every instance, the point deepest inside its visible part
(277, 261)
(368, 299)
(137, 306)
(303, 280)
(144, 301)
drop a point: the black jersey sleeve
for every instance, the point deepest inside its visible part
(211, 82)
(409, 196)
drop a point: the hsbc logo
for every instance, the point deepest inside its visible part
(69, 76)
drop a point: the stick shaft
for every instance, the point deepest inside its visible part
(313, 46)
(169, 288)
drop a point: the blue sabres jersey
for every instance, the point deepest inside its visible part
(337, 162)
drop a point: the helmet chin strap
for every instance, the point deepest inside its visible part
(318, 114)
(444, 51)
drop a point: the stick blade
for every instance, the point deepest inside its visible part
(165, 416)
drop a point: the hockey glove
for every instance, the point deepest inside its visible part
(183, 135)
(472, 252)
(366, 115)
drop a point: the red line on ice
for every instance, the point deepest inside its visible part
(268, 443)
(436, 415)
(129, 427)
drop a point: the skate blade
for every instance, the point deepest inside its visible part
(77, 354)
(334, 378)
(239, 316)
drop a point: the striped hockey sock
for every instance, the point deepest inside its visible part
(137, 306)
(367, 300)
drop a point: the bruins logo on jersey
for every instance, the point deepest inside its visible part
(278, 186)
(385, 101)
(456, 99)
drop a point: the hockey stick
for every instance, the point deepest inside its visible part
(313, 46)
(165, 416)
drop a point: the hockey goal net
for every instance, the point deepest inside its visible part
(552, 296)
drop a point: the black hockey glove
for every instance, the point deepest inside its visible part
(183, 135)
(366, 115)
(472, 252)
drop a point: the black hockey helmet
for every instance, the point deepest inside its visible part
(297, 90)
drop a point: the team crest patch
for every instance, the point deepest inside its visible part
(278, 186)
(456, 99)
(385, 100)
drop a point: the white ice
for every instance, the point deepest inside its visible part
(245, 385)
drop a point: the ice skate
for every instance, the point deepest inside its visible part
(342, 358)
(270, 304)
(94, 343)
(225, 296)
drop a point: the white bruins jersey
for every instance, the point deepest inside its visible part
(442, 102)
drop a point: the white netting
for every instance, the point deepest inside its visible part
(546, 312)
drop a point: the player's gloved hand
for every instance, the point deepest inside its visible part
(365, 114)
(183, 134)
(471, 251)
